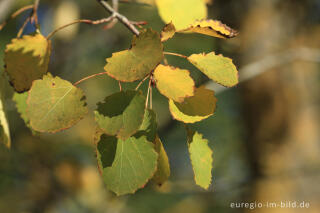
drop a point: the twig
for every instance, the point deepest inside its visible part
(34, 18)
(175, 54)
(120, 17)
(89, 77)
(15, 14)
(141, 82)
(86, 21)
(23, 26)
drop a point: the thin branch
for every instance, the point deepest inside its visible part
(141, 82)
(120, 17)
(86, 21)
(23, 26)
(34, 18)
(89, 77)
(175, 54)
(15, 14)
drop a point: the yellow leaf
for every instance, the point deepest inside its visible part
(212, 28)
(163, 169)
(174, 83)
(27, 60)
(218, 68)
(181, 12)
(168, 32)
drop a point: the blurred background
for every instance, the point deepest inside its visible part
(265, 134)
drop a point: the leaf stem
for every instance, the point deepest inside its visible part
(120, 87)
(175, 54)
(148, 93)
(141, 82)
(86, 21)
(23, 26)
(89, 77)
(34, 18)
(15, 14)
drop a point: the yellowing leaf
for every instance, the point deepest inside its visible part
(181, 12)
(201, 158)
(212, 28)
(196, 108)
(174, 83)
(168, 32)
(4, 127)
(54, 104)
(134, 64)
(126, 165)
(149, 125)
(163, 169)
(121, 114)
(26, 60)
(218, 68)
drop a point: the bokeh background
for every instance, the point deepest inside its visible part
(265, 134)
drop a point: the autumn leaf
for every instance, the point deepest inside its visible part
(218, 68)
(149, 125)
(126, 165)
(168, 32)
(121, 114)
(54, 104)
(174, 83)
(163, 169)
(180, 12)
(201, 158)
(134, 64)
(26, 60)
(196, 108)
(5, 138)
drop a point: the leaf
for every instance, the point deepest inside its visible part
(174, 83)
(4, 127)
(212, 28)
(201, 158)
(181, 12)
(126, 165)
(163, 170)
(54, 104)
(149, 125)
(218, 68)
(26, 60)
(168, 32)
(196, 108)
(21, 104)
(121, 114)
(134, 64)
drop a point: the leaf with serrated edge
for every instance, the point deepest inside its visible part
(121, 114)
(168, 32)
(196, 108)
(163, 170)
(181, 12)
(54, 104)
(211, 28)
(26, 60)
(126, 165)
(136, 63)
(174, 83)
(149, 125)
(201, 158)
(218, 68)
(21, 104)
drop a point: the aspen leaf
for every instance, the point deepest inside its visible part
(134, 64)
(181, 12)
(163, 169)
(26, 60)
(218, 68)
(201, 158)
(21, 104)
(211, 28)
(149, 125)
(5, 138)
(126, 165)
(121, 114)
(196, 108)
(54, 104)
(174, 83)
(168, 32)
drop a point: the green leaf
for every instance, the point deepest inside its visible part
(181, 12)
(4, 127)
(168, 32)
(126, 165)
(26, 60)
(218, 68)
(134, 64)
(196, 108)
(54, 104)
(121, 114)
(174, 83)
(21, 104)
(201, 158)
(163, 170)
(149, 125)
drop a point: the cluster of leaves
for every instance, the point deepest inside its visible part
(129, 150)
